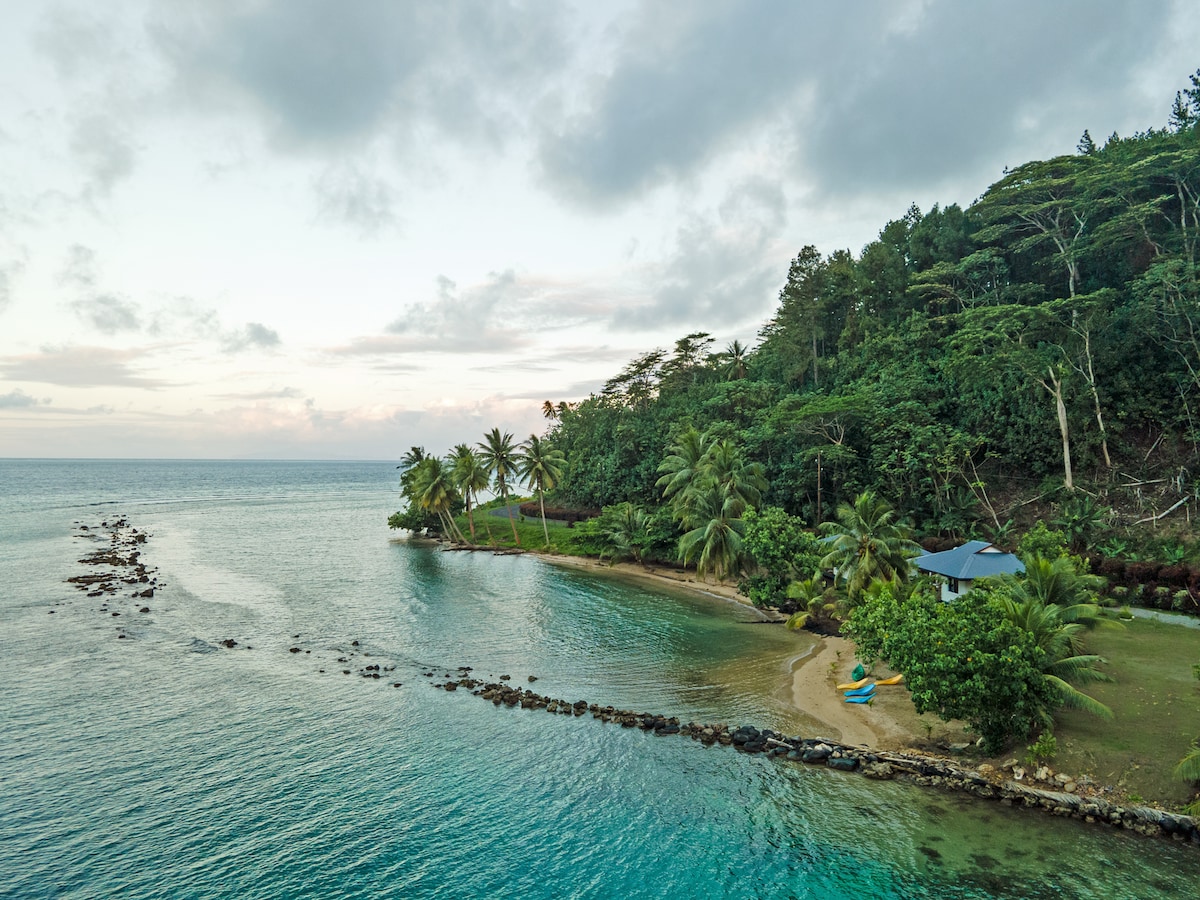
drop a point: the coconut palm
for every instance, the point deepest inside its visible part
(735, 361)
(715, 540)
(433, 490)
(868, 543)
(501, 457)
(738, 483)
(682, 464)
(1063, 661)
(540, 466)
(1056, 581)
(408, 462)
(620, 527)
(470, 475)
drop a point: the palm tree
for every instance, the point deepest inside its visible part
(500, 456)
(1055, 581)
(738, 483)
(620, 527)
(1063, 661)
(735, 361)
(549, 410)
(433, 490)
(682, 464)
(868, 543)
(470, 475)
(715, 540)
(541, 468)
(408, 462)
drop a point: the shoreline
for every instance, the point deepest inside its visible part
(811, 685)
(889, 725)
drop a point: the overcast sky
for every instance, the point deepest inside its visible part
(313, 229)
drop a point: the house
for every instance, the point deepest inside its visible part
(962, 565)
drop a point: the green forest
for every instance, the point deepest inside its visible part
(1024, 371)
(1033, 356)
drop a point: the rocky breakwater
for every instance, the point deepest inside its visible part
(1053, 794)
(117, 566)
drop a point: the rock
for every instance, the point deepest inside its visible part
(144, 609)
(1018, 773)
(842, 763)
(1042, 774)
(880, 771)
(958, 748)
(532, 679)
(986, 770)
(229, 642)
(293, 649)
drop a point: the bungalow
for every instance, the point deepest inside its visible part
(962, 565)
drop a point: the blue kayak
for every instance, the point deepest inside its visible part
(861, 698)
(864, 691)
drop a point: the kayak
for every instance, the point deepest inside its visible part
(861, 698)
(853, 685)
(895, 679)
(861, 692)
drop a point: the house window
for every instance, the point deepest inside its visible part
(952, 584)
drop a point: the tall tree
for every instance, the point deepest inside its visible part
(501, 457)
(433, 490)
(541, 467)
(470, 474)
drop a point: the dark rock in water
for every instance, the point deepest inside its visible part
(842, 763)
(116, 614)
(120, 637)
(50, 613)
(144, 609)
(149, 592)
(229, 642)
(345, 671)
(819, 753)
(293, 649)
(397, 684)
(451, 686)
(354, 643)
(532, 679)
(505, 677)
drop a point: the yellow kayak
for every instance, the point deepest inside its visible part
(895, 679)
(853, 685)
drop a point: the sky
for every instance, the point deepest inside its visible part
(308, 229)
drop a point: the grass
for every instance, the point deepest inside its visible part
(1156, 707)
(529, 529)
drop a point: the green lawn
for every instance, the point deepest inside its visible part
(1156, 704)
(529, 530)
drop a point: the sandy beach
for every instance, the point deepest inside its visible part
(889, 722)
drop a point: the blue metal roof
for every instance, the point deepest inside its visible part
(974, 559)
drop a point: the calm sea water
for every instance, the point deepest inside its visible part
(164, 765)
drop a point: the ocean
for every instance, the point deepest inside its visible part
(218, 750)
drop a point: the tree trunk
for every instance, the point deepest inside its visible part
(542, 506)
(1057, 391)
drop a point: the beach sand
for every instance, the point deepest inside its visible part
(889, 722)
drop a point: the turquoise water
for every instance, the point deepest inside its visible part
(165, 765)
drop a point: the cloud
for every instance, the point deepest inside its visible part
(317, 74)
(352, 195)
(476, 320)
(19, 400)
(8, 275)
(108, 313)
(251, 335)
(79, 366)
(849, 98)
(79, 268)
(105, 148)
(721, 271)
(284, 393)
